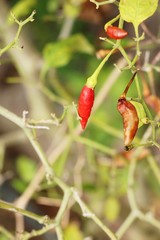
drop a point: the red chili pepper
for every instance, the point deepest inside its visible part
(85, 104)
(129, 115)
(116, 32)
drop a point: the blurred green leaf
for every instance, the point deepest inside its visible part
(137, 11)
(52, 6)
(71, 10)
(3, 237)
(60, 53)
(72, 232)
(111, 208)
(26, 168)
(59, 165)
(18, 185)
(23, 7)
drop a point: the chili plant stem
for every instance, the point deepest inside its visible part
(35, 233)
(19, 122)
(130, 191)
(6, 233)
(41, 219)
(111, 152)
(94, 76)
(125, 225)
(87, 213)
(104, 2)
(20, 26)
(112, 21)
(153, 165)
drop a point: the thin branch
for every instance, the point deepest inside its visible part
(20, 26)
(41, 219)
(19, 122)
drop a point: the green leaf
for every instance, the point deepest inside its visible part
(3, 237)
(140, 111)
(72, 232)
(26, 168)
(71, 10)
(23, 7)
(19, 185)
(52, 6)
(112, 209)
(60, 53)
(136, 11)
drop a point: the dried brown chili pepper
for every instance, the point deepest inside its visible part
(129, 116)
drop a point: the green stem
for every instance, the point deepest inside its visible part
(59, 233)
(111, 22)
(130, 191)
(63, 206)
(138, 52)
(19, 122)
(92, 80)
(88, 213)
(40, 153)
(104, 2)
(53, 97)
(6, 233)
(146, 144)
(20, 26)
(41, 219)
(36, 233)
(153, 165)
(149, 218)
(138, 88)
(152, 124)
(107, 128)
(124, 54)
(125, 225)
(111, 152)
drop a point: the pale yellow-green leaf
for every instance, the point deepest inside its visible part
(71, 10)
(26, 168)
(111, 208)
(136, 11)
(59, 53)
(23, 7)
(72, 232)
(140, 111)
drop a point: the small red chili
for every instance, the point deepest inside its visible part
(129, 116)
(116, 32)
(85, 104)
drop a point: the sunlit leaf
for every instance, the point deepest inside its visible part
(136, 11)
(60, 53)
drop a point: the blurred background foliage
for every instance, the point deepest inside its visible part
(46, 71)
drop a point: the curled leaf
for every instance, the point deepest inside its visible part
(140, 111)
